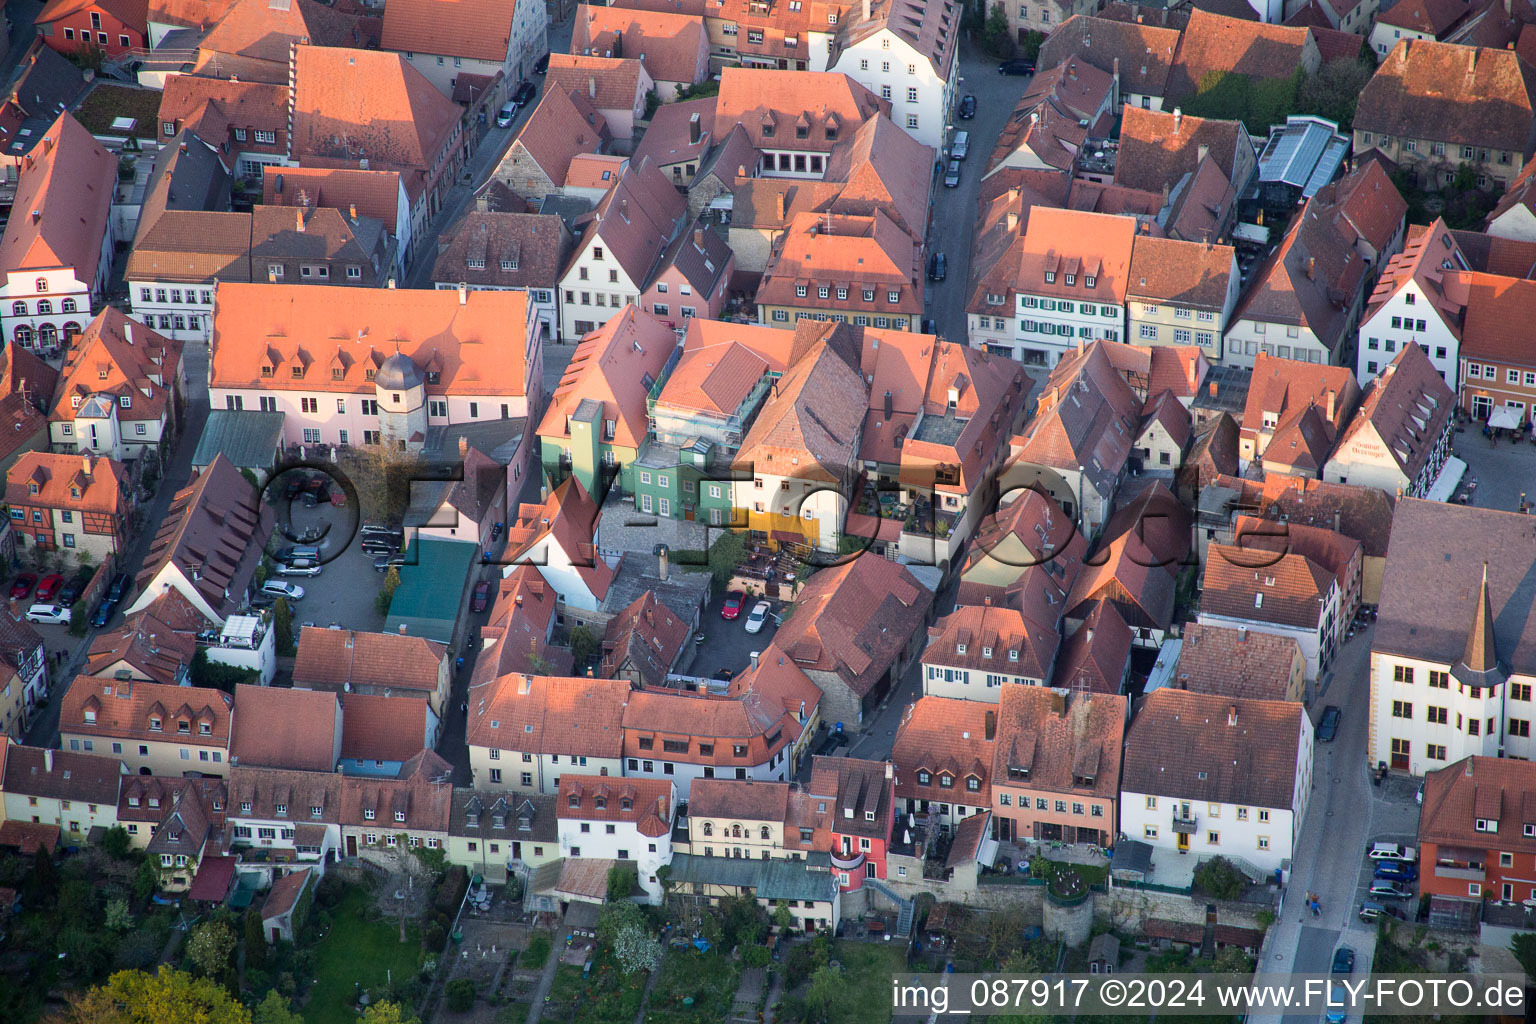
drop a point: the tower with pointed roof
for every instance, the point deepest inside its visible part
(1479, 664)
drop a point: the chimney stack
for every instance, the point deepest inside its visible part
(1332, 399)
(779, 205)
(128, 333)
(85, 463)
(698, 239)
(866, 10)
(463, 293)
(463, 447)
(693, 129)
(352, 211)
(48, 759)
(592, 87)
(1232, 715)
(661, 563)
(890, 769)
(754, 658)
(1013, 221)
(298, 216)
(1178, 119)
(1311, 268)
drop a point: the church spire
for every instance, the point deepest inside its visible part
(1480, 655)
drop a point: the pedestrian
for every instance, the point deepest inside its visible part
(1317, 909)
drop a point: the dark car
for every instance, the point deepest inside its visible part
(1395, 871)
(377, 545)
(119, 588)
(525, 93)
(967, 107)
(73, 589)
(1328, 725)
(294, 484)
(542, 65)
(938, 266)
(383, 562)
(103, 613)
(23, 586)
(1016, 67)
(259, 601)
(733, 602)
(1343, 960)
(482, 596)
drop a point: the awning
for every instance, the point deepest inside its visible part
(1505, 417)
(1449, 479)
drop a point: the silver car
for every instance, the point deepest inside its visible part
(952, 176)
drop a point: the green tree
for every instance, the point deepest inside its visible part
(42, 879)
(282, 626)
(615, 917)
(1334, 91)
(79, 619)
(167, 997)
(622, 880)
(118, 917)
(275, 1009)
(1524, 947)
(460, 994)
(1231, 960)
(725, 554)
(387, 589)
(583, 645)
(782, 918)
(145, 881)
(1219, 878)
(387, 1013)
(828, 993)
(635, 950)
(255, 941)
(382, 475)
(211, 946)
(116, 843)
(994, 36)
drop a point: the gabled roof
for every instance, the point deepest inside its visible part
(1289, 590)
(998, 243)
(745, 799)
(1096, 657)
(1405, 409)
(125, 708)
(563, 125)
(1126, 572)
(762, 99)
(1085, 246)
(213, 533)
(285, 728)
(614, 367)
(1433, 17)
(1213, 453)
(645, 803)
(672, 47)
(186, 175)
(1429, 255)
(120, 358)
(351, 105)
(881, 167)
(636, 220)
(861, 790)
(1056, 742)
(568, 517)
(609, 83)
(383, 728)
(932, 29)
(159, 642)
(1144, 51)
(478, 29)
(1219, 750)
(816, 408)
(1213, 44)
(995, 639)
(645, 638)
(59, 217)
(337, 659)
(503, 250)
(1459, 94)
(1461, 800)
(1192, 274)
(519, 628)
(945, 741)
(1029, 530)
(265, 30)
(82, 484)
(374, 194)
(61, 775)
(1159, 147)
(854, 252)
(285, 893)
(549, 715)
(1086, 418)
(854, 620)
(1235, 662)
(132, 13)
(1282, 389)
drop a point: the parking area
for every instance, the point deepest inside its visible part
(343, 592)
(1503, 470)
(727, 644)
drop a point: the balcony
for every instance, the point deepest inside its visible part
(847, 861)
(1184, 824)
(1461, 872)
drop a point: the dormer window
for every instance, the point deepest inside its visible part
(32, 488)
(626, 803)
(800, 291)
(972, 783)
(1050, 277)
(869, 815)
(946, 781)
(74, 492)
(959, 648)
(282, 810)
(184, 727)
(205, 728)
(575, 800)
(801, 131)
(90, 719)
(1486, 825)
(337, 373)
(126, 401)
(986, 652)
(368, 814)
(1013, 655)
(498, 821)
(599, 802)
(1071, 279)
(767, 131)
(245, 807)
(399, 815)
(848, 812)
(267, 369)
(154, 723)
(923, 778)
(368, 374)
(315, 812)
(1088, 282)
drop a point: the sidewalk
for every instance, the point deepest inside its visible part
(546, 979)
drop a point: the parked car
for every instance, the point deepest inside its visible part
(1328, 725)
(118, 589)
(482, 596)
(375, 531)
(103, 613)
(952, 176)
(48, 586)
(378, 544)
(23, 586)
(383, 562)
(758, 616)
(1338, 1005)
(967, 107)
(1393, 851)
(1343, 960)
(302, 567)
(294, 484)
(1016, 67)
(732, 608)
(961, 146)
(48, 613)
(290, 554)
(938, 267)
(506, 114)
(281, 588)
(260, 601)
(1396, 871)
(1389, 890)
(74, 588)
(542, 65)
(526, 91)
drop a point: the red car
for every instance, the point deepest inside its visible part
(482, 596)
(47, 587)
(23, 586)
(733, 602)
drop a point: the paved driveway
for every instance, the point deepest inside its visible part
(727, 644)
(954, 209)
(1502, 471)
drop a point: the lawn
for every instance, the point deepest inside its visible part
(534, 957)
(605, 996)
(867, 969)
(111, 101)
(709, 978)
(359, 951)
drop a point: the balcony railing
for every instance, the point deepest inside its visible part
(847, 861)
(1463, 873)
(1184, 824)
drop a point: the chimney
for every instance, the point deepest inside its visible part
(624, 209)
(1335, 520)
(271, 277)
(779, 205)
(1311, 268)
(463, 448)
(1013, 221)
(1201, 152)
(866, 9)
(463, 294)
(1178, 119)
(661, 563)
(525, 685)
(991, 725)
(1213, 389)
(1332, 398)
(128, 333)
(754, 658)
(1242, 634)
(37, 215)
(352, 211)
(85, 463)
(592, 87)
(698, 239)
(298, 216)
(693, 129)
(48, 759)
(1232, 715)
(890, 769)
(402, 629)
(1058, 702)
(391, 284)
(1081, 345)
(889, 405)
(183, 149)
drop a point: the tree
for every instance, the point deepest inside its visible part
(615, 918)
(387, 1013)
(635, 950)
(460, 994)
(827, 994)
(1334, 91)
(42, 879)
(145, 881)
(1231, 960)
(994, 36)
(211, 946)
(382, 475)
(282, 626)
(1219, 878)
(583, 645)
(275, 1010)
(116, 842)
(993, 936)
(622, 880)
(387, 589)
(1524, 947)
(782, 918)
(725, 554)
(118, 917)
(79, 620)
(255, 942)
(168, 997)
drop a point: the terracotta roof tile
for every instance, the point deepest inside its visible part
(761, 99)
(61, 774)
(1057, 742)
(563, 125)
(1145, 51)
(614, 367)
(124, 709)
(569, 516)
(862, 791)
(856, 253)
(1488, 788)
(816, 409)
(1096, 657)
(1227, 662)
(647, 636)
(1434, 17)
(158, 642)
(745, 799)
(1289, 590)
(479, 29)
(1454, 94)
(375, 194)
(1018, 645)
(265, 31)
(930, 28)
(1192, 746)
(1496, 322)
(381, 728)
(286, 729)
(1190, 274)
(337, 659)
(1405, 409)
(1214, 44)
(1159, 147)
(550, 715)
(945, 739)
(609, 83)
(672, 47)
(62, 201)
(647, 803)
(81, 484)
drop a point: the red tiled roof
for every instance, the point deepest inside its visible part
(1194, 746)
(78, 483)
(672, 47)
(133, 13)
(609, 83)
(946, 740)
(375, 194)
(1056, 742)
(330, 659)
(611, 368)
(759, 98)
(549, 715)
(380, 728)
(62, 201)
(120, 358)
(283, 728)
(1458, 94)
(128, 709)
(569, 517)
(647, 803)
(478, 29)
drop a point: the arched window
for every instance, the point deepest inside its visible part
(735, 831)
(71, 331)
(18, 309)
(42, 284)
(23, 335)
(44, 307)
(47, 335)
(766, 834)
(67, 306)
(709, 828)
